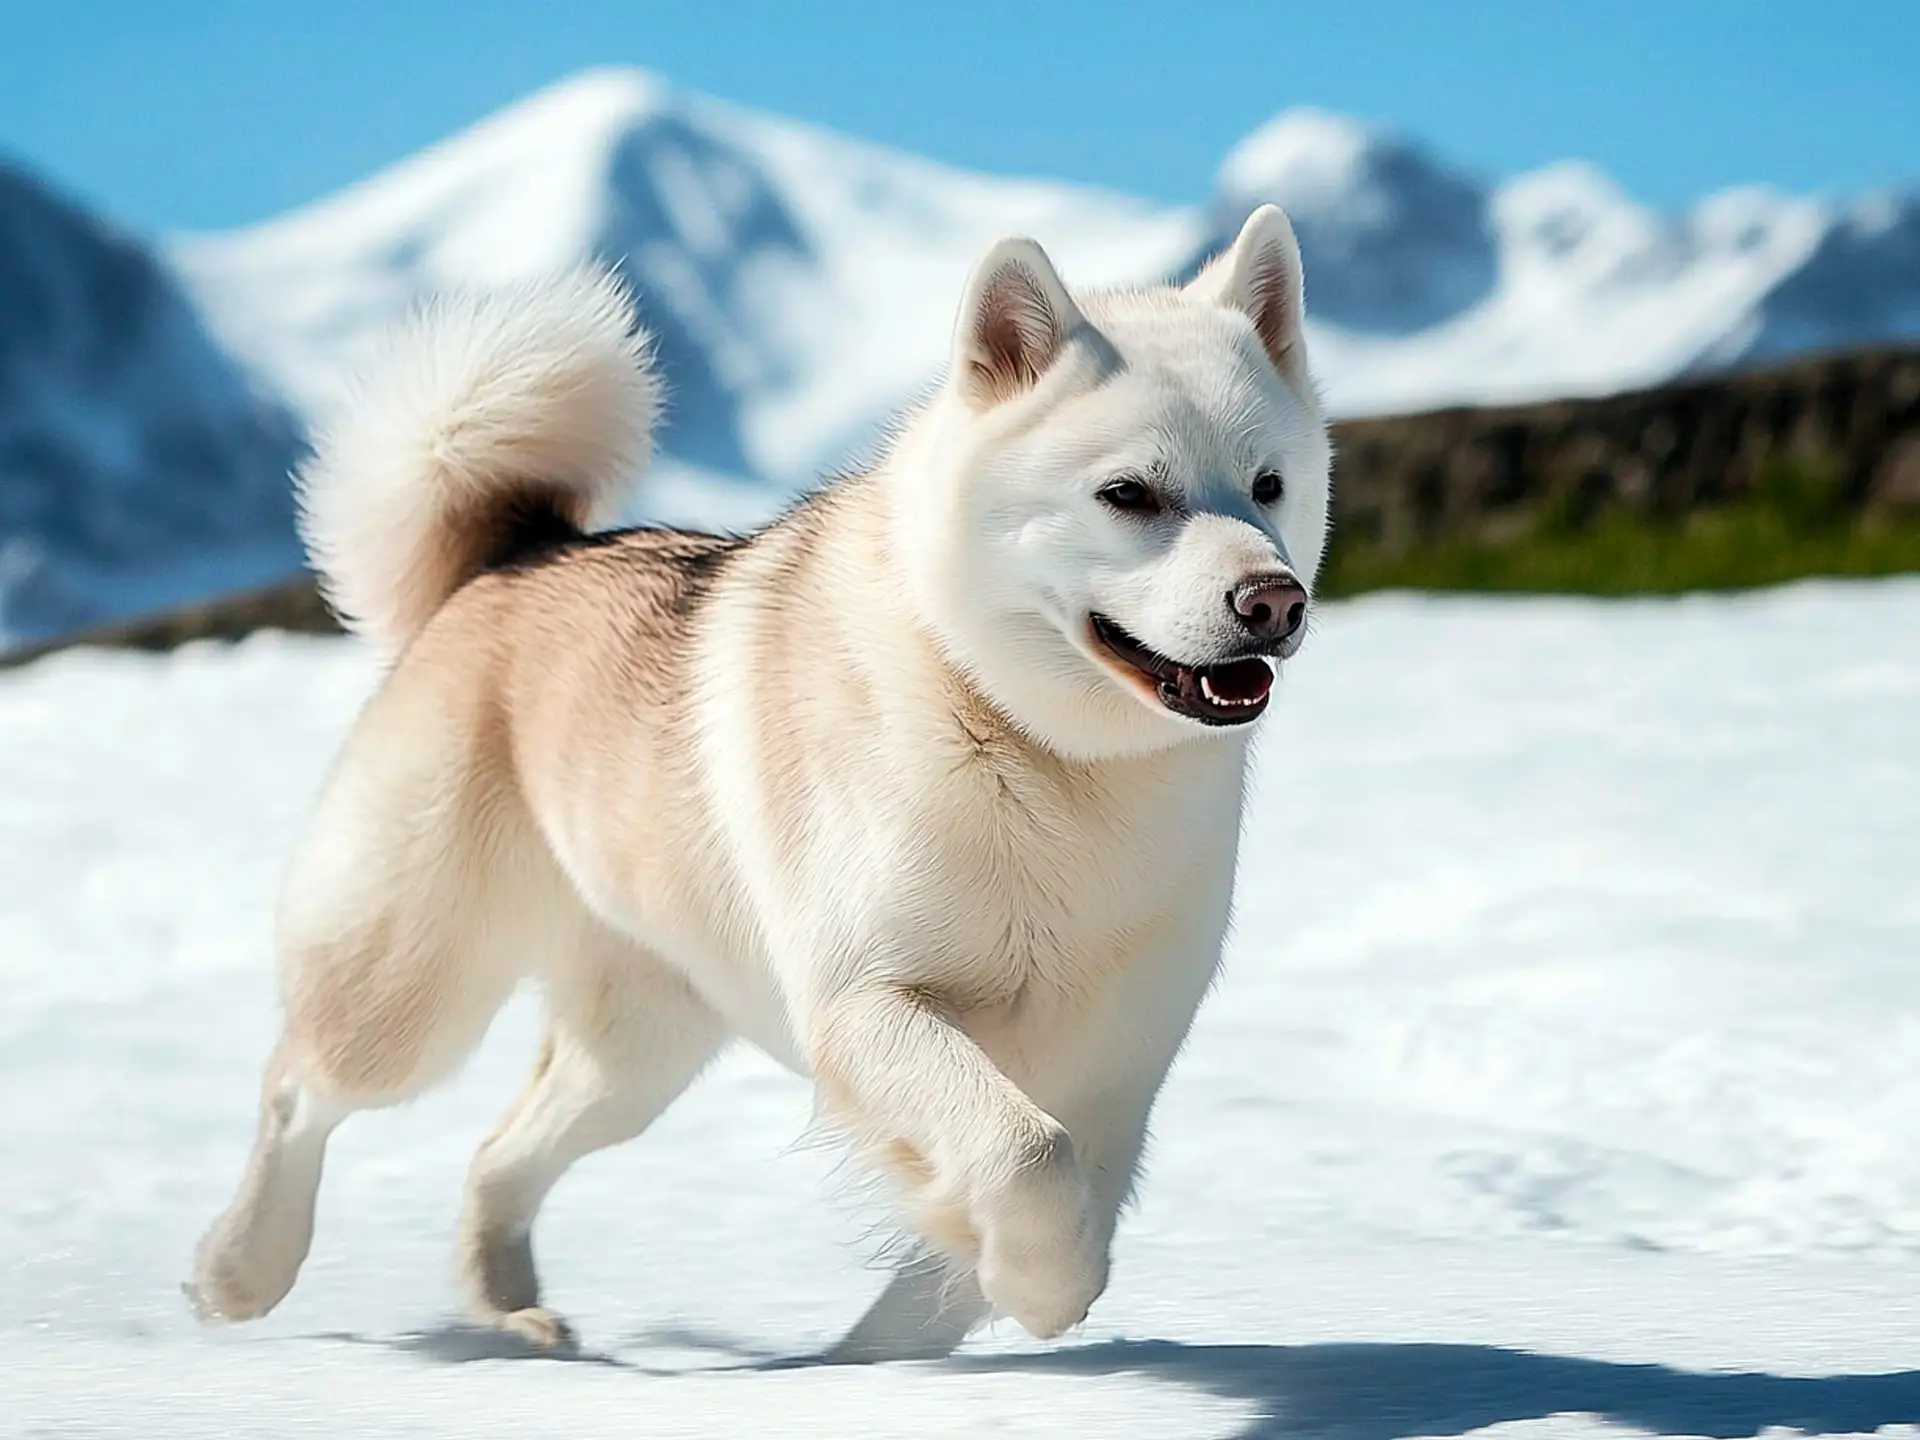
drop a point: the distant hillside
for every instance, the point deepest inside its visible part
(1812, 468)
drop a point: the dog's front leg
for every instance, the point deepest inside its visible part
(992, 1180)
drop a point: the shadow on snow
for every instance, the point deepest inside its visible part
(1357, 1391)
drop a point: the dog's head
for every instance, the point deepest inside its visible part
(1116, 505)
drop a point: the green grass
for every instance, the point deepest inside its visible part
(1794, 525)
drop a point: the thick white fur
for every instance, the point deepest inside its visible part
(546, 384)
(878, 805)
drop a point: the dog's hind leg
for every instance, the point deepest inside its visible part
(249, 1259)
(627, 1036)
(420, 898)
(926, 1311)
(390, 1032)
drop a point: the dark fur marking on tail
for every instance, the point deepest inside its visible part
(527, 529)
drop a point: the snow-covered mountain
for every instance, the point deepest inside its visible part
(1427, 286)
(137, 465)
(801, 285)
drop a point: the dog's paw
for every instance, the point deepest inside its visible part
(1046, 1300)
(226, 1289)
(538, 1326)
(207, 1308)
(1042, 1259)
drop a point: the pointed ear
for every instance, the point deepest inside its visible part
(1259, 275)
(1014, 318)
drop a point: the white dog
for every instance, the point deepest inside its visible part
(931, 789)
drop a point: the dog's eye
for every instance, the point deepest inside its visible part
(1130, 495)
(1268, 487)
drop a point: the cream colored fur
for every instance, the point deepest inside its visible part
(862, 790)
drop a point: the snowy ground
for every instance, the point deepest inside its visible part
(1566, 1080)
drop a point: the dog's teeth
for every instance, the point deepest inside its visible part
(1206, 689)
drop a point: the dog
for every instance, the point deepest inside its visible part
(931, 789)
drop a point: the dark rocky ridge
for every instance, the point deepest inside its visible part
(1852, 421)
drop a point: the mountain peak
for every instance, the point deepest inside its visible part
(588, 103)
(1311, 156)
(1393, 241)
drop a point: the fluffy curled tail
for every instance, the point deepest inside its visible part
(486, 419)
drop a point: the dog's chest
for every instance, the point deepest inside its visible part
(1055, 880)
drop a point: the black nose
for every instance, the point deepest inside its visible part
(1272, 607)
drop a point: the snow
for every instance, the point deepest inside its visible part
(1564, 1080)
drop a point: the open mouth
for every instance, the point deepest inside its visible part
(1226, 692)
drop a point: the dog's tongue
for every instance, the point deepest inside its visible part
(1240, 680)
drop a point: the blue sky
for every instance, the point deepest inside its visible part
(174, 114)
